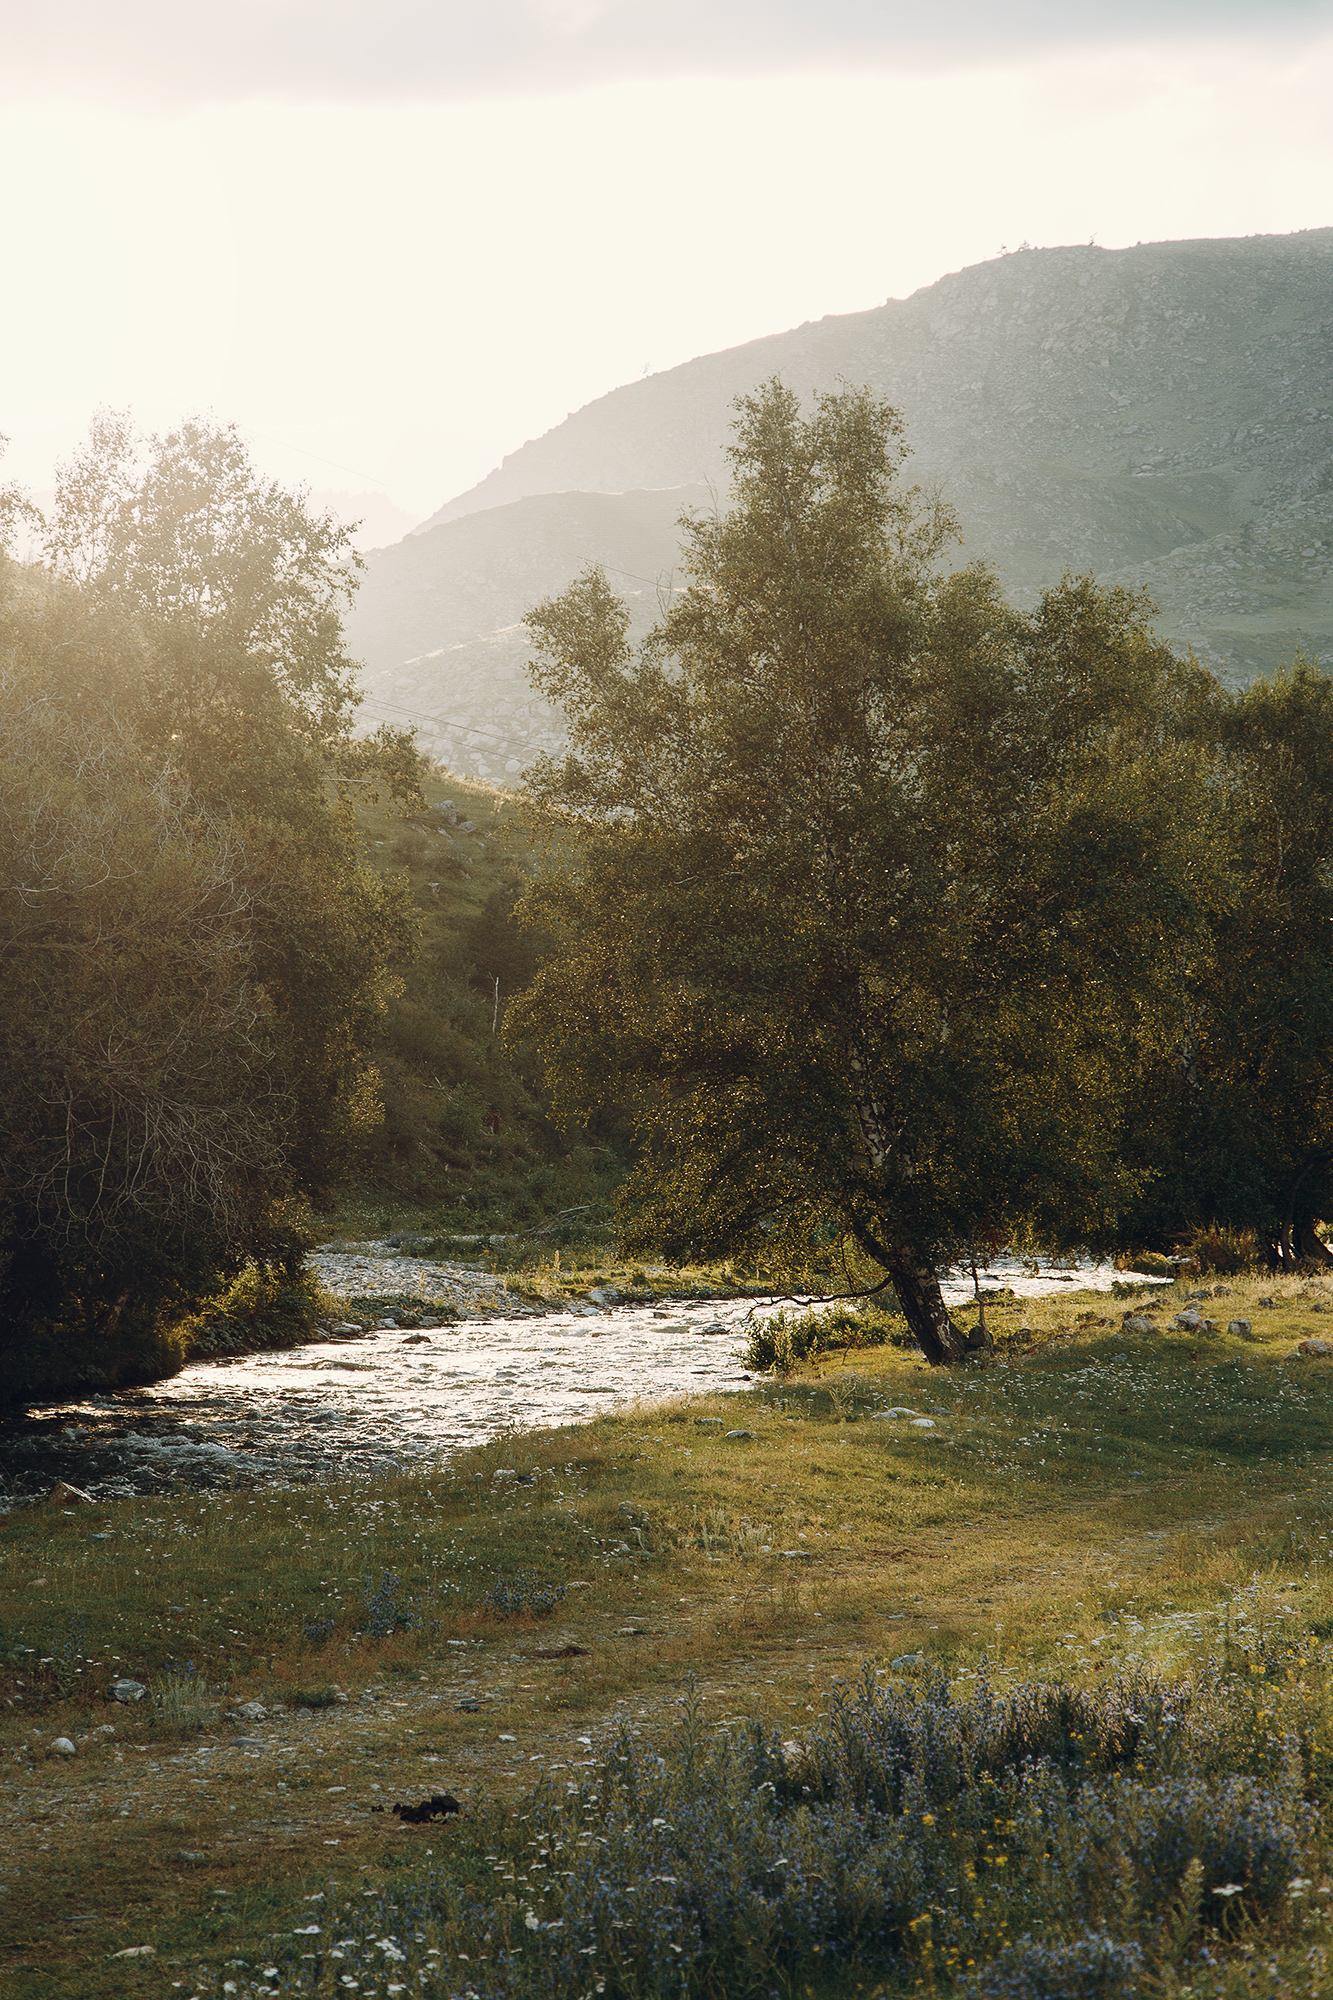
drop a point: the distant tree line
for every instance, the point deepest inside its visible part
(904, 919)
(194, 960)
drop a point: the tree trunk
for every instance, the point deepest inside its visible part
(924, 1309)
(1311, 1249)
(1286, 1245)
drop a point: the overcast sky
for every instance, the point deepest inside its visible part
(393, 241)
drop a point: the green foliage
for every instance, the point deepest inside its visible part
(466, 1143)
(196, 961)
(1238, 1107)
(1226, 1252)
(1016, 1842)
(881, 886)
(782, 1341)
(261, 1309)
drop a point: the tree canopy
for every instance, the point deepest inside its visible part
(884, 888)
(195, 960)
(1238, 1114)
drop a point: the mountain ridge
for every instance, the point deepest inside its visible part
(1161, 416)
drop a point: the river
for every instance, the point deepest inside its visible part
(392, 1399)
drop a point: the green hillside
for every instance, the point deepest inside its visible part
(1161, 416)
(466, 1145)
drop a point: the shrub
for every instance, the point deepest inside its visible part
(1151, 1263)
(183, 1702)
(780, 1344)
(1094, 1967)
(384, 1614)
(1225, 1252)
(914, 1830)
(319, 1697)
(261, 1311)
(526, 1595)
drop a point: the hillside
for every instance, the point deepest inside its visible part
(1162, 416)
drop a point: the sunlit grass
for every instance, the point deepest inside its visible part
(1086, 1501)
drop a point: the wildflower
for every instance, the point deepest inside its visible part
(1230, 1889)
(927, 1819)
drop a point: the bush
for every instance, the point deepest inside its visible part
(1223, 1252)
(911, 1833)
(183, 1702)
(1151, 1263)
(261, 1311)
(1094, 1967)
(525, 1596)
(317, 1697)
(780, 1344)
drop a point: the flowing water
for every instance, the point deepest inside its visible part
(393, 1399)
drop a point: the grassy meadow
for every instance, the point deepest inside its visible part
(1092, 1526)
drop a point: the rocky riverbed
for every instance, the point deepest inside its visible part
(363, 1401)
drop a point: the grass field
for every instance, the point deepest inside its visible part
(1087, 1503)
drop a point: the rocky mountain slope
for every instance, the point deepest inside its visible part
(1161, 416)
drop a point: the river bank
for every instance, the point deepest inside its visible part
(432, 1359)
(1096, 1499)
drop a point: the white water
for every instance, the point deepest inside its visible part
(394, 1398)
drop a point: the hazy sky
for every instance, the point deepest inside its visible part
(394, 241)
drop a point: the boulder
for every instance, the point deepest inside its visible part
(62, 1747)
(1136, 1323)
(1241, 1327)
(62, 1494)
(127, 1690)
(252, 1711)
(1315, 1348)
(1191, 1322)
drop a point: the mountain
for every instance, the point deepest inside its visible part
(1161, 416)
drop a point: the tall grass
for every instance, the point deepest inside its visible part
(1039, 1841)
